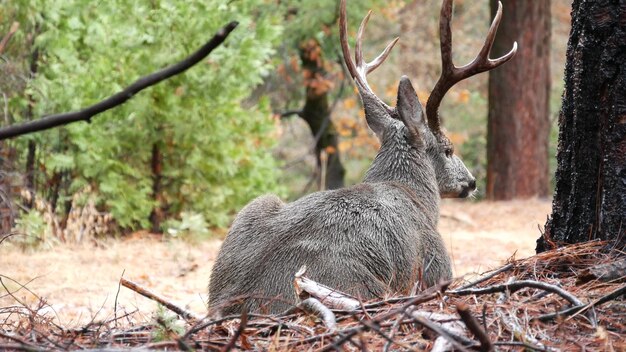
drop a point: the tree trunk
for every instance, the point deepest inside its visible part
(590, 196)
(316, 113)
(519, 116)
(30, 173)
(32, 146)
(157, 215)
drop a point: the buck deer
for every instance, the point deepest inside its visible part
(371, 239)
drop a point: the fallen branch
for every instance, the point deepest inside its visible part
(119, 98)
(582, 308)
(516, 286)
(184, 313)
(242, 325)
(604, 272)
(511, 323)
(21, 344)
(329, 297)
(473, 325)
(317, 308)
(486, 277)
(450, 332)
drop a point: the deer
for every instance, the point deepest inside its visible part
(378, 237)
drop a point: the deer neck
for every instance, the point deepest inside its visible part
(404, 165)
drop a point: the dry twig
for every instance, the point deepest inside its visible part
(474, 327)
(184, 313)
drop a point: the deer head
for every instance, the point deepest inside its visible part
(406, 126)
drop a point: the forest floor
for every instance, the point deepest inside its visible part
(80, 283)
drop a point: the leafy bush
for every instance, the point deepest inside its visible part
(214, 150)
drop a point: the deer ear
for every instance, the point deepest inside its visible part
(409, 107)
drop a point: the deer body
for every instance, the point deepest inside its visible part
(367, 240)
(375, 238)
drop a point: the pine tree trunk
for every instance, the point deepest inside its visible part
(590, 196)
(316, 113)
(519, 121)
(156, 164)
(30, 169)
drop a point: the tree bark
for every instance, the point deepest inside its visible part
(157, 215)
(32, 146)
(316, 113)
(30, 174)
(519, 121)
(590, 196)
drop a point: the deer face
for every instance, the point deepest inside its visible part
(453, 178)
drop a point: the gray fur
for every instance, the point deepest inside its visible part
(368, 240)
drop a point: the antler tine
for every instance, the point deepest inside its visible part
(343, 39)
(445, 35)
(450, 74)
(360, 70)
(358, 52)
(382, 57)
(491, 36)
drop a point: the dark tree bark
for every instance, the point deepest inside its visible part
(157, 215)
(519, 123)
(29, 183)
(32, 146)
(590, 196)
(316, 113)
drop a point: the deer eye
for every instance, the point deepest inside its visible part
(449, 151)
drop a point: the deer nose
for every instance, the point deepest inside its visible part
(472, 184)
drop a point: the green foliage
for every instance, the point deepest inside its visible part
(31, 230)
(166, 325)
(215, 150)
(190, 226)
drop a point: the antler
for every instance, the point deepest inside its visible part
(360, 70)
(450, 74)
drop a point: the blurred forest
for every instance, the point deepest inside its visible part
(184, 156)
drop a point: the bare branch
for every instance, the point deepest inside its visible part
(242, 325)
(142, 83)
(486, 277)
(516, 286)
(449, 332)
(184, 313)
(580, 309)
(317, 308)
(473, 325)
(325, 294)
(3, 43)
(289, 113)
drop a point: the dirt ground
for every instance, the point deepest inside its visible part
(80, 283)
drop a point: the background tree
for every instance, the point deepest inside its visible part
(316, 44)
(589, 200)
(519, 114)
(188, 146)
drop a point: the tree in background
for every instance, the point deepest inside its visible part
(187, 146)
(316, 44)
(519, 116)
(590, 196)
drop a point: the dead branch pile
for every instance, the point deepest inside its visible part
(572, 298)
